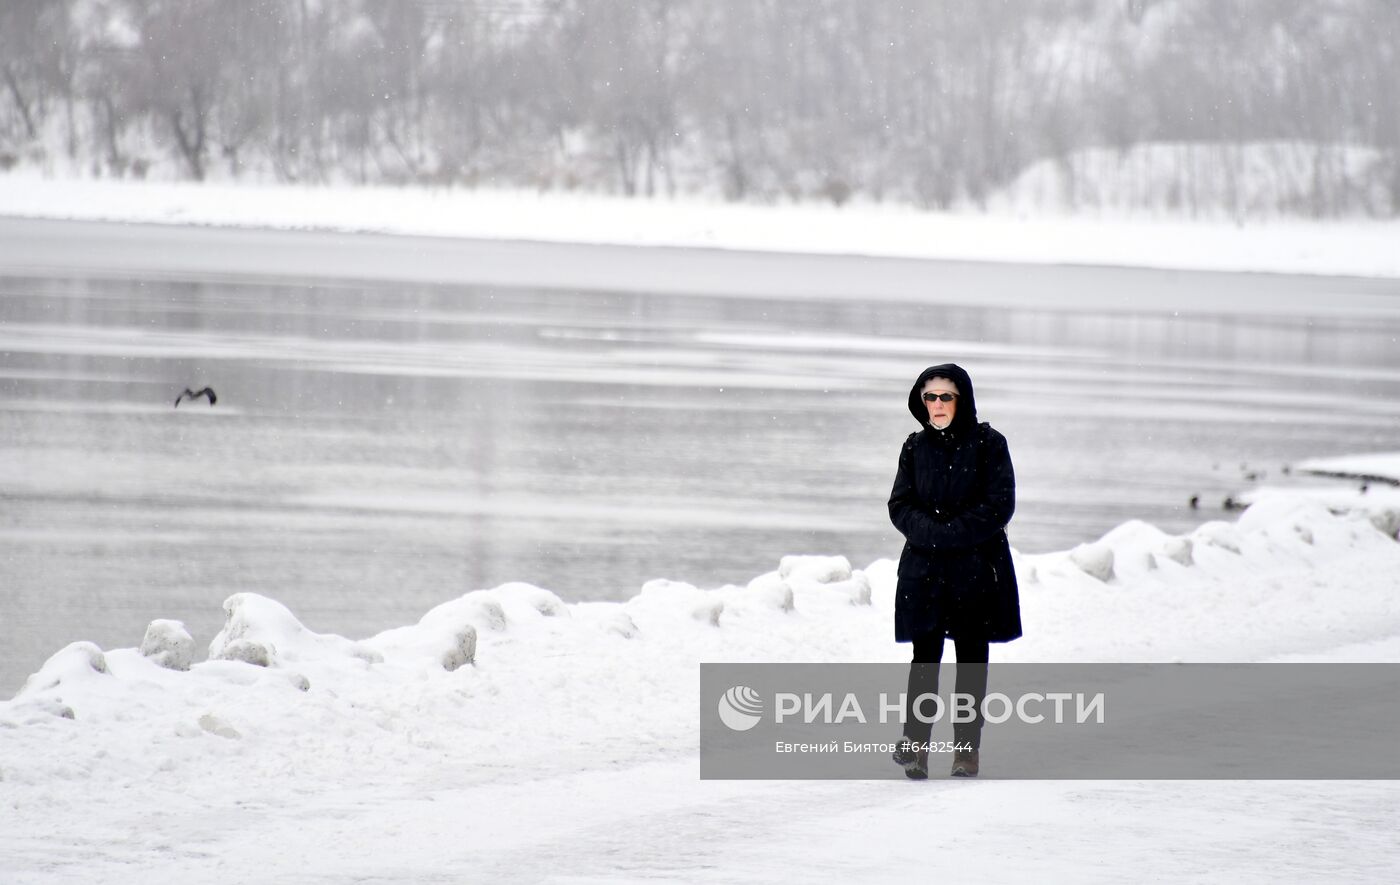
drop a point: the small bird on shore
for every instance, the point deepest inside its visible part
(196, 394)
(1195, 501)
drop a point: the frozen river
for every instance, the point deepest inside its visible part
(402, 420)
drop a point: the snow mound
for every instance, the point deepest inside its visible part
(1366, 484)
(73, 669)
(824, 577)
(1276, 528)
(446, 636)
(75, 664)
(1138, 546)
(261, 631)
(672, 600)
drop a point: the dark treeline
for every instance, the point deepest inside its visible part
(936, 103)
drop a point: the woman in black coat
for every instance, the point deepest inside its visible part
(953, 496)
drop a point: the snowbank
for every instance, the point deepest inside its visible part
(1353, 247)
(508, 707)
(480, 674)
(1371, 488)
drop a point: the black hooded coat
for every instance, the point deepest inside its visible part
(953, 496)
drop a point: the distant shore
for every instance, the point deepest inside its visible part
(1356, 247)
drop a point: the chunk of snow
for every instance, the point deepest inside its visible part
(461, 649)
(168, 644)
(245, 650)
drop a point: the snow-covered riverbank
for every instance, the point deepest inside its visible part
(1343, 248)
(511, 735)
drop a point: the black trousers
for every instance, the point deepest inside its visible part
(923, 679)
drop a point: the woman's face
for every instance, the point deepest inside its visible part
(940, 414)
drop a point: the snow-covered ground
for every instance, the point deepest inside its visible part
(508, 736)
(1346, 248)
(565, 749)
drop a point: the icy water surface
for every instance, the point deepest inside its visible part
(378, 448)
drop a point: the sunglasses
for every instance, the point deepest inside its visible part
(941, 397)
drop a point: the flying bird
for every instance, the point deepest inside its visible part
(196, 394)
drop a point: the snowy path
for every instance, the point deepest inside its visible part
(659, 823)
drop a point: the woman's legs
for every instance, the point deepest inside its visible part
(971, 680)
(923, 679)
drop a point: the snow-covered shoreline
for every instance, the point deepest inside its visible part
(511, 692)
(1381, 467)
(1362, 248)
